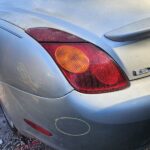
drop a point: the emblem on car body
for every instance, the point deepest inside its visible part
(139, 72)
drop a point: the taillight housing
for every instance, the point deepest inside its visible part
(87, 67)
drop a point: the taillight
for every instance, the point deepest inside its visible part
(88, 68)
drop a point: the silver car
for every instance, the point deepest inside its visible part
(75, 74)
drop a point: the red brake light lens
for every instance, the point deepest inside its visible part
(88, 68)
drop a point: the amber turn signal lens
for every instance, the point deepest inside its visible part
(72, 59)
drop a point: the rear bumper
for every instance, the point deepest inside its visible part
(117, 120)
(126, 106)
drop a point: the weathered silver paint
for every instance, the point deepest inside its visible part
(74, 127)
(135, 56)
(96, 16)
(104, 16)
(27, 66)
(134, 31)
(120, 108)
(113, 117)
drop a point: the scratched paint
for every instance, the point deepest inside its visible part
(11, 141)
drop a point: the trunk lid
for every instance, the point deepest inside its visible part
(96, 17)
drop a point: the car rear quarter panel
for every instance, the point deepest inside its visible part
(25, 65)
